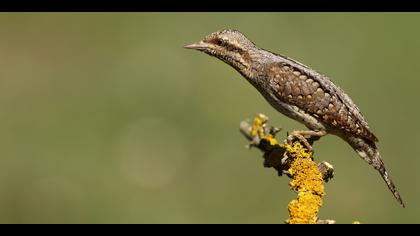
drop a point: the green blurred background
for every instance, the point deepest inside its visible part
(105, 118)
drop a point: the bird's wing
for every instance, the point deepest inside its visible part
(351, 107)
(315, 94)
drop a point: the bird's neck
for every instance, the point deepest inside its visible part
(258, 60)
(250, 63)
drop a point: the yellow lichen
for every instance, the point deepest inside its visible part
(257, 128)
(297, 150)
(258, 124)
(356, 222)
(306, 178)
(307, 182)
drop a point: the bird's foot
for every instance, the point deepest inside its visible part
(297, 136)
(307, 142)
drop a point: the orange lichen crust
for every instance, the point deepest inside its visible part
(307, 182)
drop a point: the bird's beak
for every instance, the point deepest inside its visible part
(199, 46)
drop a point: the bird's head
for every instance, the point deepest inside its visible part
(230, 46)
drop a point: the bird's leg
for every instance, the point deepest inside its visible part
(300, 135)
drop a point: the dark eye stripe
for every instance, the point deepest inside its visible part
(217, 41)
(227, 45)
(230, 47)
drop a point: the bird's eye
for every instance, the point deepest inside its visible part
(218, 42)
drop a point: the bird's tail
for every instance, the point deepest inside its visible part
(368, 151)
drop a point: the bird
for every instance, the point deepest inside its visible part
(300, 93)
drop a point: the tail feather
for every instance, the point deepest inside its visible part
(368, 151)
(390, 183)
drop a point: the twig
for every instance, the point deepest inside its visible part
(296, 162)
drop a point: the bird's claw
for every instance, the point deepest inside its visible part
(296, 135)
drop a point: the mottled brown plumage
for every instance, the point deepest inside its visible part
(297, 86)
(298, 92)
